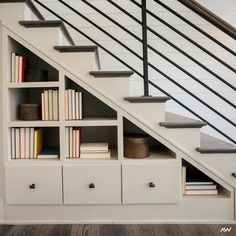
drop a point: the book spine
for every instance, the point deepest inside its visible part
(67, 142)
(20, 68)
(43, 106)
(70, 104)
(31, 142)
(73, 104)
(13, 67)
(24, 68)
(46, 110)
(77, 105)
(17, 135)
(16, 69)
(71, 141)
(66, 105)
(27, 143)
(13, 143)
(50, 104)
(55, 104)
(80, 106)
(22, 143)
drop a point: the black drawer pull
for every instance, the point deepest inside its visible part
(92, 185)
(234, 174)
(152, 185)
(32, 186)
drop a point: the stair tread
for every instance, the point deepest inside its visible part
(210, 144)
(30, 4)
(76, 48)
(101, 73)
(46, 24)
(147, 99)
(178, 121)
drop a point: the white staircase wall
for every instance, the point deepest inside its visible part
(108, 63)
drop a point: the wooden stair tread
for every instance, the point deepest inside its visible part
(48, 24)
(178, 121)
(147, 99)
(31, 6)
(211, 144)
(100, 74)
(84, 48)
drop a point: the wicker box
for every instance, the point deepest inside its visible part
(136, 146)
(29, 112)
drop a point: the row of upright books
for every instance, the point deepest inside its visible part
(77, 149)
(18, 68)
(27, 143)
(50, 105)
(73, 105)
(197, 185)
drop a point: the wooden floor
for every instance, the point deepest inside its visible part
(115, 230)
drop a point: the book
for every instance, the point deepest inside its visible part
(48, 153)
(198, 180)
(73, 104)
(106, 155)
(17, 141)
(24, 68)
(55, 114)
(13, 66)
(46, 105)
(22, 143)
(13, 143)
(20, 69)
(69, 93)
(66, 105)
(16, 73)
(77, 143)
(38, 141)
(80, 106)
(77, 105)
(201, 187)
(50, 105)
(202, 192)
(67, 142)
(183, 179)
(94, 147)
(43, 106)
(27, 143)
(73, 143)
(31, 143)
(70, 142)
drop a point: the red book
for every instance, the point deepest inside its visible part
(24, 67)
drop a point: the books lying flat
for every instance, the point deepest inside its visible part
(104, 155)
(48, 153)
(201, 192)
(200, 187)
(94, 147)
(198, 180)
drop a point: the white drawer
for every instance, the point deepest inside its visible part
(33, 185)
(151, 183)
(92, 184)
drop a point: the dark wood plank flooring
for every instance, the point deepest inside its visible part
(116, 230)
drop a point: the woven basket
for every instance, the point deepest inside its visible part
(29, 112)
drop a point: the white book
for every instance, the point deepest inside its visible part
(27, 143)
(13, 66)
(22, 143)
(80, 106)
(96, 155)
(94, 146)
(69, 104)
(20, 68)
(17, 135)
(66, 105)
(50, 104)
(55, 105)
(183, 179)
(32, 143)
(77, 143)
(43, 106)
(71, 141)
(13, 143)
(16, 69)
(67, 142)
(74, 143)
(201, 187)
(73, 104)
(46, 110)
(202, 192)
(77, 105)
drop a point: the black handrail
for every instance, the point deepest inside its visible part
(196, 27)
(159, 53)
(183, 52)
(130, 67)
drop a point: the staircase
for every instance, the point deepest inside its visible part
(52, 42)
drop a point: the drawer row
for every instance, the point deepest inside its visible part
(93, 184)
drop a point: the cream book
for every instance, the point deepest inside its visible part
(105, 155)
(94, 147)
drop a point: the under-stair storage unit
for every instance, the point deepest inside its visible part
(68, 164)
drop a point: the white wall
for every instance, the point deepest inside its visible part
(109, 63)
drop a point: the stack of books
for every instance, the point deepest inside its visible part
(73, 137)
(27, 143)
(18, 68)
(73, 105)
(95, 150)
(50, 105)
(200, 185)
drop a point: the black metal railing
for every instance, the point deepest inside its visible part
(144, 58)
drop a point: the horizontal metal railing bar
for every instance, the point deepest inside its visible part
(160, 54)
(101, 29)
(174, 46)
(196, 27)
(88, 37)
(135, 71)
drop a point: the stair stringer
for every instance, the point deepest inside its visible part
(125, 109)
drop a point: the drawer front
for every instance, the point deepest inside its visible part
(151, 183)
(92, 184)
(26, 185)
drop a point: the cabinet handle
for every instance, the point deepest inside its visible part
(152, 185)
(92, 185)
(234, 174)
(32, 186)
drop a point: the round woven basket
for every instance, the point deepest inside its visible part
(29, 112)
(136, 146)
